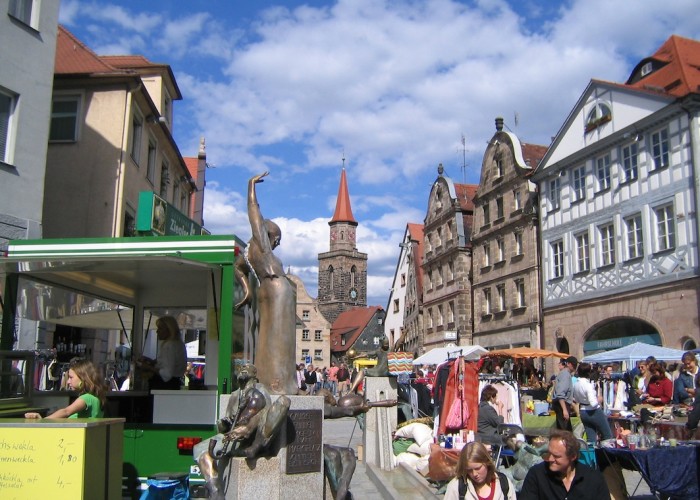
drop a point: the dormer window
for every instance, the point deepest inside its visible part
(597, 116)
(646, 69)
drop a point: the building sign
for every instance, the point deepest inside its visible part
(157, 217)
(608, 344)
(450, 335)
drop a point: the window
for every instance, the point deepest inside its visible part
(501, 249)
(7, 110)
(318, 354)
(487, 301)
(450, 271)
(553, 193)
(583, 259)
(305, 315)
(440, 317)
(659, 149)
(634, 236)
(557, 259)
(487, 215)
(520, 292)
(24, 10)
(487, 255)
(64, 119)
(516, 200)
(450, 312)
(501, 291)
(136, 131)
(164, 179)
(430, 317)
(499, 207)
(317, 335)
(518, 239)
(304, 353)
(403, 280)
(499, 166)
(629, 161)
(305, 335)
(437, 278)
(176, 193)
(151, 165)
(603, 172)
(646, 69)
(599, 115)
(396, 305)
(665, 229)
(579, 183)
(607, 244)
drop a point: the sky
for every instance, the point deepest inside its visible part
(389, 89)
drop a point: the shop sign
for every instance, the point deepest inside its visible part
(157, 217)
(608, 344)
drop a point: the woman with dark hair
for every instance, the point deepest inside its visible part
(477, 477)
(592, 415)
(84, 378)
(660, 389)
(487, 424)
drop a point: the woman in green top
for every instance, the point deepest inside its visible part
(82, 377)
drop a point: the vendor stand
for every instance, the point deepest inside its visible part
(76, 298)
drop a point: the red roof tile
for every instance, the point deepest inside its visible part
(679, 71)
(353, 321)
(73, 57)
(192, 165)
(533, 153)
(465, 195)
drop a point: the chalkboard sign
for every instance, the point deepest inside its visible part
(305, 441)
(41, 463)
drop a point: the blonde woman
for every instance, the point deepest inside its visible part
(477, 477)
(168, 370)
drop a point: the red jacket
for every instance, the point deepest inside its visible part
(661, 388)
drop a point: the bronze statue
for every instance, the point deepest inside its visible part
(252, 421)
(276, 299)
(339, 466)
(350, 404)
(381, 369)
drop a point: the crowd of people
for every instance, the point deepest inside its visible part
(337, 378)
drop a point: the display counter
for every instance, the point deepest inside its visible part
(535, 425)
(61, 458)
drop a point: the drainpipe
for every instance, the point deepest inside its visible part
(117, 216)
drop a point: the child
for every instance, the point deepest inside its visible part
(82, 377)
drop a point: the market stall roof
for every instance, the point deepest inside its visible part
(635, 352)
(526, 352)
(441, 354)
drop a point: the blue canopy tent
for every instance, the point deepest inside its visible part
(635, 352)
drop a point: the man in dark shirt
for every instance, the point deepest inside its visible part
(561, 476)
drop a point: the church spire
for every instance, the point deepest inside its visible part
(343, 210)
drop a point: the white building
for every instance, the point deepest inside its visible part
(27, 49)
(618, 210)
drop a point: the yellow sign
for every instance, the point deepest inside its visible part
(42, 463)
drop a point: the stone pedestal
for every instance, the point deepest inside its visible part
(296, 472)
(380, 423)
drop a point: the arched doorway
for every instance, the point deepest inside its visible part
(620, 332)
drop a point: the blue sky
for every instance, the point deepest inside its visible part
(392, 86)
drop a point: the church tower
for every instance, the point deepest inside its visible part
(342, 271)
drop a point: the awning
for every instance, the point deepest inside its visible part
(525, 352)
(441, 354)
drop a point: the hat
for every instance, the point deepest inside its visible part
(571, 360)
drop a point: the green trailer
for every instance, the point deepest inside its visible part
(87, 297)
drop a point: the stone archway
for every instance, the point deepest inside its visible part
(619, 332)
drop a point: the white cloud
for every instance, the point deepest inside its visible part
(393, 84)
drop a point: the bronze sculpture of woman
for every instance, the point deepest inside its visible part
(276, 299)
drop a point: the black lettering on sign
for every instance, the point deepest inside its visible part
(304, 441)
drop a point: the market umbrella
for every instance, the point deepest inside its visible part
(635, 352)
(441, 354)
(526, 352)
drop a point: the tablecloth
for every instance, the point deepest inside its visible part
(668, 470)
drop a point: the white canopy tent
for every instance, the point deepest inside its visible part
(635, 352)
(441, 354)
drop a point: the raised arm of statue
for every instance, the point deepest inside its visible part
(257, 222)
